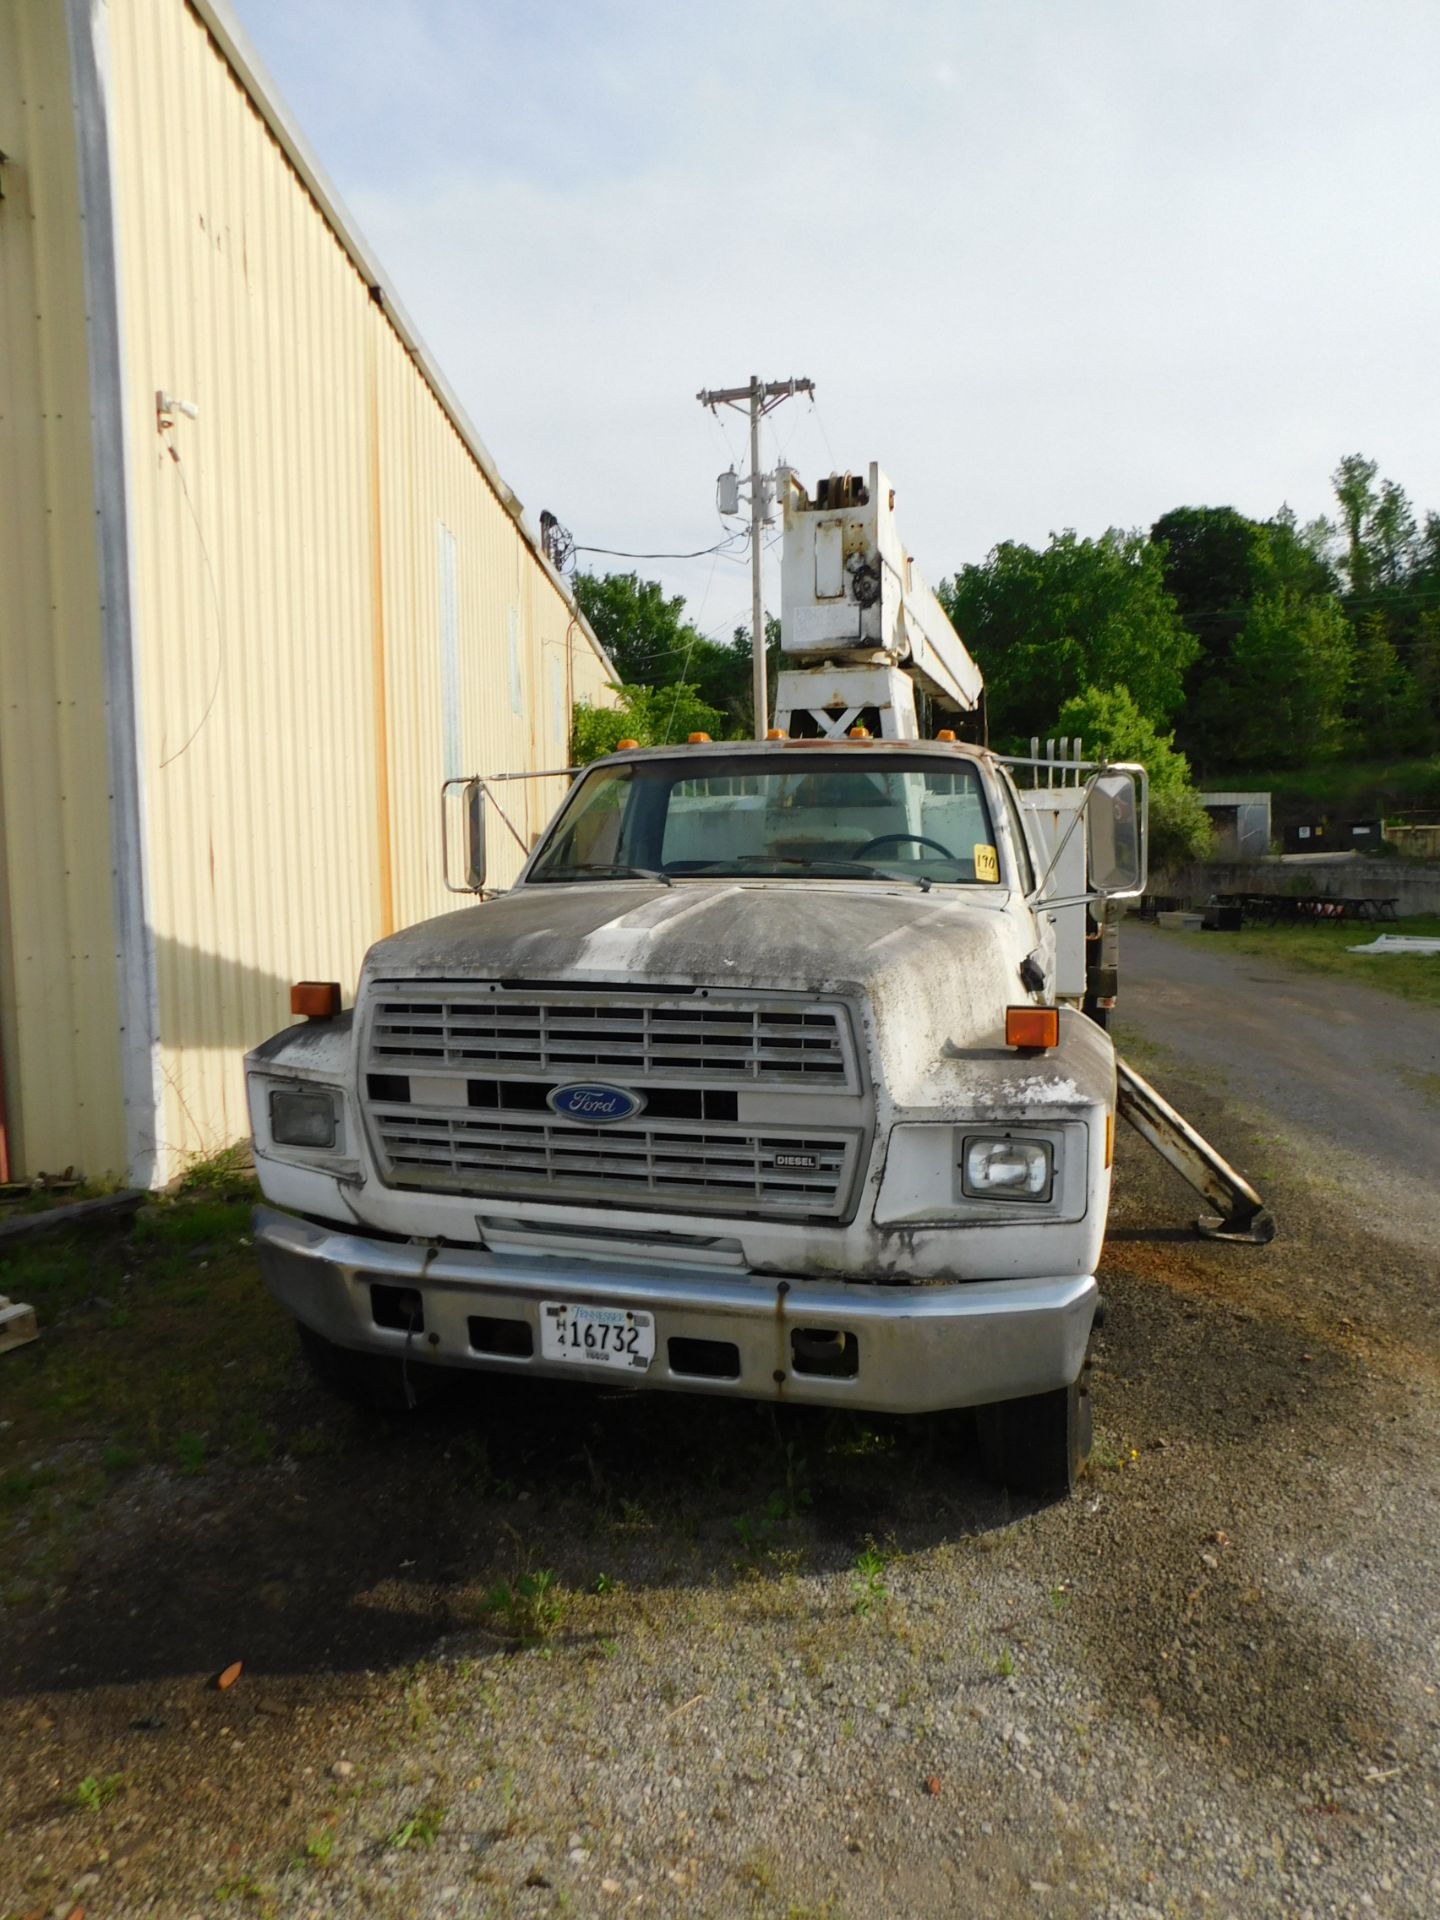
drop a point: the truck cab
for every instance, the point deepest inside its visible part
(759, 1081)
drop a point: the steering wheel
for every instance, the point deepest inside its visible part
(920, 839)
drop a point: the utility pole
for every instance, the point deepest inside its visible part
(758, 399)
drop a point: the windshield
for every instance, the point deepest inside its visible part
(863, 816)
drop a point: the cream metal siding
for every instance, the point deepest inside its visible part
(59, 1012)
(288, 582)
(236, 652)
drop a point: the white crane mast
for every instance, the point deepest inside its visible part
(860, 628)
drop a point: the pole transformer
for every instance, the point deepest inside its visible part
(757, 399)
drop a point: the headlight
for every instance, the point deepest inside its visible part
(302, 1119)
(1003, 1168)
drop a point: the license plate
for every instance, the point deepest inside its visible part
(597, 1336)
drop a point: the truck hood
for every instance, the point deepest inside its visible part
(936, 969)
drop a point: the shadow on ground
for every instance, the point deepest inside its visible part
(379, 1535)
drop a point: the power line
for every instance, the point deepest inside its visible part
(619, 553)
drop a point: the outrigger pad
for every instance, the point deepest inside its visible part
(1257, 1231)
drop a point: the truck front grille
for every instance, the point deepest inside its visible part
(713, 1169)
(637, 1040)
(456, 1079)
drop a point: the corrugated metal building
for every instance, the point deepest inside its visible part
(261, 587)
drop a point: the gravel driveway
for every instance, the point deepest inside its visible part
(798, 1666)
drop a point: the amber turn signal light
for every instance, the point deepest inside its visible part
(1033, 1028)
(315, 999)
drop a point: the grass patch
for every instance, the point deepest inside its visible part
(867, 1583)
(530, 1609)
(94, 1792)
(1325, 948)
(422, 1829)
(159, 1347)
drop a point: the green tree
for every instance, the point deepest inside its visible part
(652, 644)
(1292, 666)
(1387, 710)
(1354, 484)
(646, 636)
(1425, 669)
(1112, 727)
(650, 716)
(1044, 624)
(1214, 563)
(1217, 563)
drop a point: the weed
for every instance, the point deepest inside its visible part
(318, 1849)
(532, 1608)
(861, 1442)
(120, 1459)
(759, 1871)
(93, 1792)
(190, 1453)
(227, 1175)
(1106, 1453)
(867, 1580)
(472, 1450)
(23, 1483)
(1005, 1663)
(254, 1439)
(323, 1437)
(244, 1886)
(603, 1584)
(422, 1829)
(1059, 1599)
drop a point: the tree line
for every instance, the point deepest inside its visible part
(1210, 646)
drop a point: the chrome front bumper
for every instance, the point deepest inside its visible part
(917, 1349)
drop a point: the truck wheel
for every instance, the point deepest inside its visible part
(370, 1380)
(1038, 1444)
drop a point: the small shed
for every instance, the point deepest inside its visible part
(1241, 822)
(261, 588)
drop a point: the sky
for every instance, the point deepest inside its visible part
(1052, 263)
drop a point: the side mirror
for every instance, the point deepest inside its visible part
(1115, 833)
(474, 836)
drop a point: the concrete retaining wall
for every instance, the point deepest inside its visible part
(1414, 886)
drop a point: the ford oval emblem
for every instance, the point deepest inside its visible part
(593, 1104)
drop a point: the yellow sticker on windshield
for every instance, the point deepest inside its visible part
(987, 864)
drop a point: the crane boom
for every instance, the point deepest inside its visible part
(860, 628)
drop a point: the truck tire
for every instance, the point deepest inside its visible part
(1039, 1444)
(370, 1380)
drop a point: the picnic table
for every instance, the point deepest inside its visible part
(1291, 909)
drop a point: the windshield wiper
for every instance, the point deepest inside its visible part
(614, 868)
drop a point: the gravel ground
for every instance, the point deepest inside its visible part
(800, 1666)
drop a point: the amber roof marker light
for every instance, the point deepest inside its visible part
(699, 740)
(1032, 1029)
(315, 999)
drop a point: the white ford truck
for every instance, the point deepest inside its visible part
(766, 1078)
